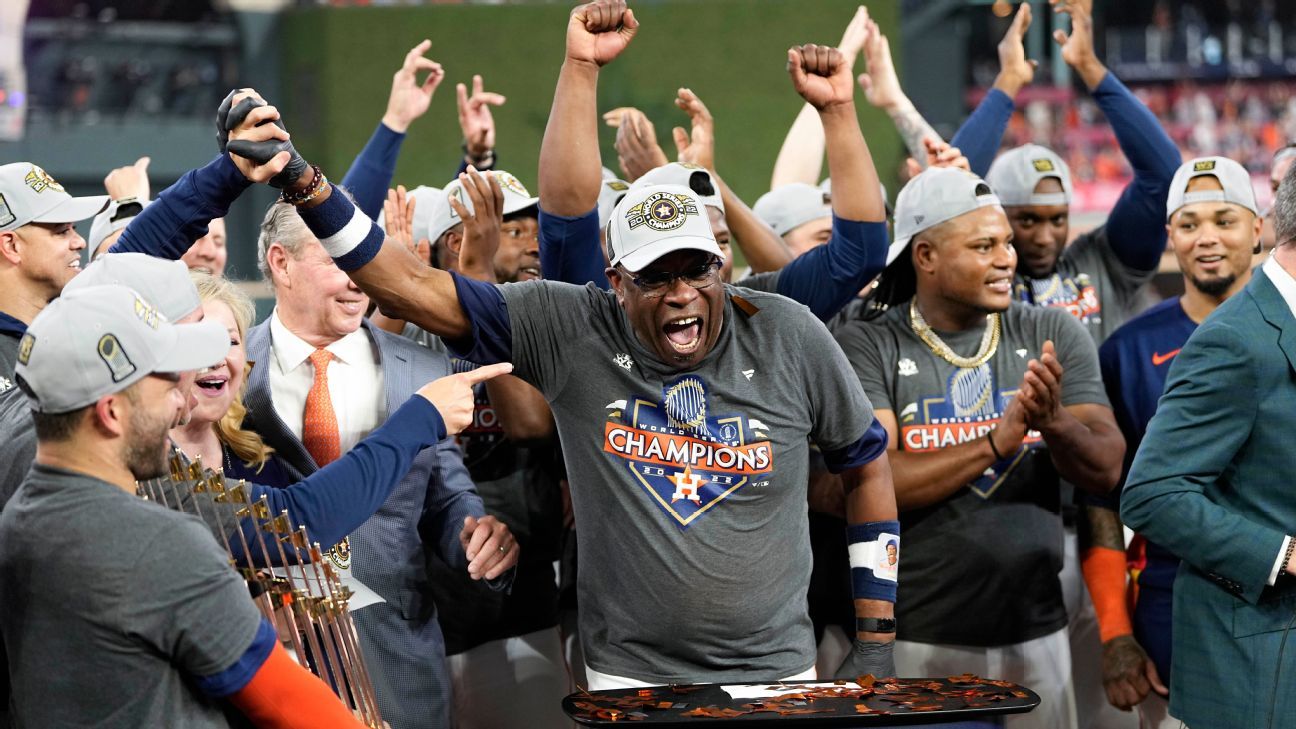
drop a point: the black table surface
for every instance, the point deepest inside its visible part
(953, 699)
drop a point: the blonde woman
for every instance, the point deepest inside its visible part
(215, 430)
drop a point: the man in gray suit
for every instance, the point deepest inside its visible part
(324, 378)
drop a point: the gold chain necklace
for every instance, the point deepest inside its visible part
(989, 340)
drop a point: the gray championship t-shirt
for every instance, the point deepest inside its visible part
(981, 567)
(1090, 283)
(17, 441)
(110, 604)
(689, 487)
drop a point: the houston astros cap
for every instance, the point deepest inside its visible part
(610, 193)
(1232, 176)
(937, 195)
(694, 177)
(161, 282)
(796, 203)
(1015, 173)
(516, 200)
(29, 195)
(102, 339)
(650, 222)
(113, 218)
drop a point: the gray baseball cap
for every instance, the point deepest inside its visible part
(29, 195)
(682, 174)
(161, 282)
(650, 222)
(1232, 176)
(103, 339)
(610, 193)
(796, 203)
(516, 200)
(1015, 173)
(428, 202)
(113, 219)
(937, 195)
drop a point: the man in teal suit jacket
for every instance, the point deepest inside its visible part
(1211, 482)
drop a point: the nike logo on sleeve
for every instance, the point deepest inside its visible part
(1160, 359)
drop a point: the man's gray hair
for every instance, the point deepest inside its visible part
(1284, 209)
(284, 226)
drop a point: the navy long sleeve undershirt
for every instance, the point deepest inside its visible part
(335, 500)
(371, 172)
(982, 133)
(169, 225)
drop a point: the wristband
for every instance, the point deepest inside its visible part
(346, 233)
(875, 625)
(995, 451)
(874, 550)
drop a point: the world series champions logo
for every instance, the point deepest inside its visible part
(969, 408)
(685, 457)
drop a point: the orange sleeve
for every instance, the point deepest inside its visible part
(283, 695)
(1104, 574)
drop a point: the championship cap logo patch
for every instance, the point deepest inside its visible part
(6, 214)
(112, 354)
(146, 313)
(509, 182)
(25, 348)
(1205, 165)
(686, 458)
(1043, 165)
(40, 180)
(662, 211)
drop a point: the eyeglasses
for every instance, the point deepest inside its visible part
(656, 283)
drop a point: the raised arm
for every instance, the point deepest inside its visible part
(800, 159)
(1136, 225)
(881, 86)
(982, 132)
(570, 165)
(477, 124)
(763, 249)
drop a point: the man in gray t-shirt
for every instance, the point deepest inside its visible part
(988, 403)
(683, 407)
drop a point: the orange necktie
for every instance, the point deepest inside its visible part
(319, 421)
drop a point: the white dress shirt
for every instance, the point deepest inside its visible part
(355, 382)
(1286, 286)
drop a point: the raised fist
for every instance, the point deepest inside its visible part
(820, 75)
(597, 32)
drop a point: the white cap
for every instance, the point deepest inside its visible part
(1015, 173)
(796, 203)
(694, 177)
(164, 283)
(650, 222)
(103, 339)
(29, 195)
(610, 193)
(516, 199)
(1232, 176)
(112, 220)
(937, 195)
(427, 199)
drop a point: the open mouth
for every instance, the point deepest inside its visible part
(684, 334)
(527, 273)
(212, 385)
(350, 306)
(75, 264)
(1210, 261)
(1000, 285)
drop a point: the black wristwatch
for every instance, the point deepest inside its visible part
(875, 625)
